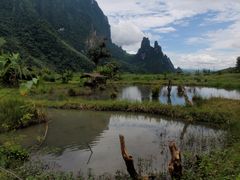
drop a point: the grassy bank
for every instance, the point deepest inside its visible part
(16, 113)
(219, 80)
(215, 111)
(19, 112)
(222, 164)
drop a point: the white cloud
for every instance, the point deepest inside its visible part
(152, 13)
(221, 39)
(127, 35)
(163, 16)
(195, 40)
(228, 38)
(164, 30)
(203, 60)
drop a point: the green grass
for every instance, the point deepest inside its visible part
(215, 111)
(218, 112)
(16, 113)
(227, 80)
(220, 164)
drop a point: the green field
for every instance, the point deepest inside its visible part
(217, 112)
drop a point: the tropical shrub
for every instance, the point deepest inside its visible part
(12, 70)
(12, 155)
(109, 70)
(66, 76)
(16, 113)
(155, 91)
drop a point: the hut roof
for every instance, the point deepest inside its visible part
(92, 75)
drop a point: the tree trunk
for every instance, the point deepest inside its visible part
(128, 159)
(175, 165)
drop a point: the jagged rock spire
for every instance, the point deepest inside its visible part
(157, 48)
(145, 43)
(152, 59)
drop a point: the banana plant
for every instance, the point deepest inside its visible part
(26, 87)
(12, 70)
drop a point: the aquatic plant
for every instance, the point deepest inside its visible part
(155, 92)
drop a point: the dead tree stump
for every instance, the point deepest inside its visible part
(128, 159)
(175, 165)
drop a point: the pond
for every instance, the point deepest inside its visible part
(147, 137)
(143, 93)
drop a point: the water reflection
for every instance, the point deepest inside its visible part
(141, 93)
(135, 93)
(146, 137)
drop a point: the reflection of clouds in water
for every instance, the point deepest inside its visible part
(146, 137)
(175, 98)
(131, 93)
(138, 93)
(191, 137)
(213, 92)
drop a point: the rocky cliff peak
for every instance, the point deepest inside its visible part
(152, 58)
(145, 43)
(157, 48)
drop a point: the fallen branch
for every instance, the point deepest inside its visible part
(175, 165)
(10, 173)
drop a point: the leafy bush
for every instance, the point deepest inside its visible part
(16, 113)
(109, 70)
(155, 91)
(12, 70)
(49, 77)
(72, 92)
(11, 155)
(66, 76)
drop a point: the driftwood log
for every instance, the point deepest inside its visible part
(175, 165)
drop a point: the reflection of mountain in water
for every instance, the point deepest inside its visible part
(75, 129)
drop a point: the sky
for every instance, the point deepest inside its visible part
(195, 34)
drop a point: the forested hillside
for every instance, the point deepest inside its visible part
(57, 34)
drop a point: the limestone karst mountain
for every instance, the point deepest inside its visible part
(152, 59)
(56, 33)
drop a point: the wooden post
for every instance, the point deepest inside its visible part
(128, 159)
(175, 165)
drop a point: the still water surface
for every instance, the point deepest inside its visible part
(143, 93)
(147, 137)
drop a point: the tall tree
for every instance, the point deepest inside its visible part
(238, 63)
(97, 48)
(98, 52)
